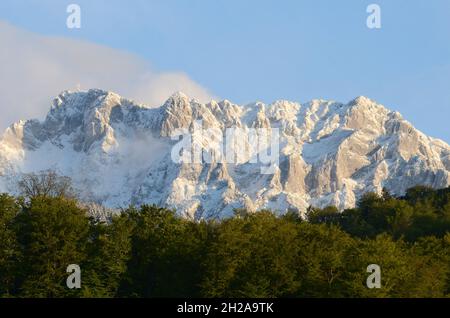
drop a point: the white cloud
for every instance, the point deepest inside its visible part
(35, 68)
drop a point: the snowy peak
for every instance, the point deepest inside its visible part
(119, 152)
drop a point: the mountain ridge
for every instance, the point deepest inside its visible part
(119, 153)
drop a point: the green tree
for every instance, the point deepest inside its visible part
(52, 233)
(166, 254)
(400, 218)
(328, 215)
(436, 253)
(9, 251)
(323, 260)
(253, 256)
(108, 251)
(404, 273)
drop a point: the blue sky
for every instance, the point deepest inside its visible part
(267, 50)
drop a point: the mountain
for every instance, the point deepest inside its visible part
(119, 153)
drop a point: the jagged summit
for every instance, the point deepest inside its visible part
(119, 153)
(179, 95)
(362, 101)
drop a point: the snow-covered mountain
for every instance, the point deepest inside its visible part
(120, 153)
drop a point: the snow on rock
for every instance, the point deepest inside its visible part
(118, 153)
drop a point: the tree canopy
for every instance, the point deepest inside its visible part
(150, 251)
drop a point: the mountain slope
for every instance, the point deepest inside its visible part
(120, 153)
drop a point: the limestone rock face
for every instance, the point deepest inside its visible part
(294, 173)
(120, 153)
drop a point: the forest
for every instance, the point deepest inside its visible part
(149, 251)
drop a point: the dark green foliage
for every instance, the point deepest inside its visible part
(405, 273)
(421, 212)
(152, 252)
(52, 233)
(328, 215)
(166, 254)
(253, 256)
(324, 257)
(9, 250)
(108, 252)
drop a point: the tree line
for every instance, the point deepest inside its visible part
(150, 251)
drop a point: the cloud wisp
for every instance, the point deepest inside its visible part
(35, 68)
